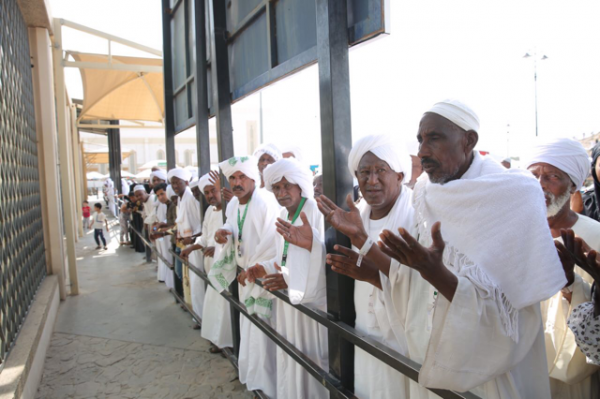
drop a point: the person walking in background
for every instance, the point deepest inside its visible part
(99, 218)
(124, 218)
(86, 210)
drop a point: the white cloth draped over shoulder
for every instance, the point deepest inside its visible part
(304, 274)
(489, 339)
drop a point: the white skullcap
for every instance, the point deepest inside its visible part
(248, 165)
(384, 148)
(294, 150)
(179, 173)
(170, 192)
(293, 171)
(270, 149)
(458, 113)
(161, 174)
(204, 181)
(139, 187)
(565, 154)
(193, 183)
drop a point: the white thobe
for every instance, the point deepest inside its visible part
(216, 315)
(150, 208)
(189, 223)
(372, 377)
(161, 217)
(304, 274)
(257, 358)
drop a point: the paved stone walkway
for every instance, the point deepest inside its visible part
(123, 336)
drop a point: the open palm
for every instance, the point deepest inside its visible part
(300, 236)
(348, 223)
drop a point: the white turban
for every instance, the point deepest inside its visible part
(565, 154)
(458, 113)
(161, 174)
(248, 165)
(293, 171)
(204, 181)
(170, 192)
(194, 183)
(139, 187)
(270, 149)
(384, 148)
(179, 173)
(294, 150)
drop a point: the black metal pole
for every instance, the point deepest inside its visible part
(222, 104)
(114, 156)
(169, 117)
(336, 141)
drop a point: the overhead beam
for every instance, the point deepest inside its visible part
(110, 37)
(113, 66)
(98, 126)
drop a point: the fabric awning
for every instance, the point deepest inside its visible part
(121, 95)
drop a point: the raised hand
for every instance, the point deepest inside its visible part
(241, 278)
(209, 252)
(582, 254)
(348, 223)
(568, 262)
(215, 178)
(300, 236)
(274, 282)
(255, 272)
(221, 236)
(346, 264)
(427, 261)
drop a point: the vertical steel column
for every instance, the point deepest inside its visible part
(336, 141)
(222, 104)
(169, 117)
(201, 109)
(114, 156)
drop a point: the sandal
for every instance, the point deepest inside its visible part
(98, 247)
(215, 349)
(196, 327)
(105, 248)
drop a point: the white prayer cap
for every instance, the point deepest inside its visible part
(193, 183)
(248, 165)
(384, 148)
(203, 182)
(139, 187)
(170, 192)
(567, 155)
(293, 171)
(161, 174)
(294, 150)
(458, 113)
(179, 173)
(270, 149)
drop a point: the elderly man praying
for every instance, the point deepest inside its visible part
(381, 167)
(299, 267)
(561, 166)
(247, 238)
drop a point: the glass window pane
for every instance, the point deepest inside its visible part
(237, 10)
(296, 27)
(178, 29)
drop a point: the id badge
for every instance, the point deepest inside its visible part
(240, 249)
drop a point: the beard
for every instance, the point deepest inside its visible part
(556, 202)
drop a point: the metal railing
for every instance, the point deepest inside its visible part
(385, 354)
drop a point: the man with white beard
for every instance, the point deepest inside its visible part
(299, 267)
(561, 166)
(247, 238)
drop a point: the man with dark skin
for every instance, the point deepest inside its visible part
(447, 135)
(264, 161)
(318, 186)
(388, 205)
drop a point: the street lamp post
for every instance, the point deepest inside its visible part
(535, 58)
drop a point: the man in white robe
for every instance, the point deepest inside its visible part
(381, 167)
(561, 166)
(163, 240)
(299, 267)
(247, 238)
(109, 190)
(216, 315)
(493, 265)
(189, 221)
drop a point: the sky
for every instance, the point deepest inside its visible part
(470, 50)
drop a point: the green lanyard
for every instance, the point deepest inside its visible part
(287, 244)
(241, 223)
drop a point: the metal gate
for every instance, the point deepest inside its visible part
(22, 257)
